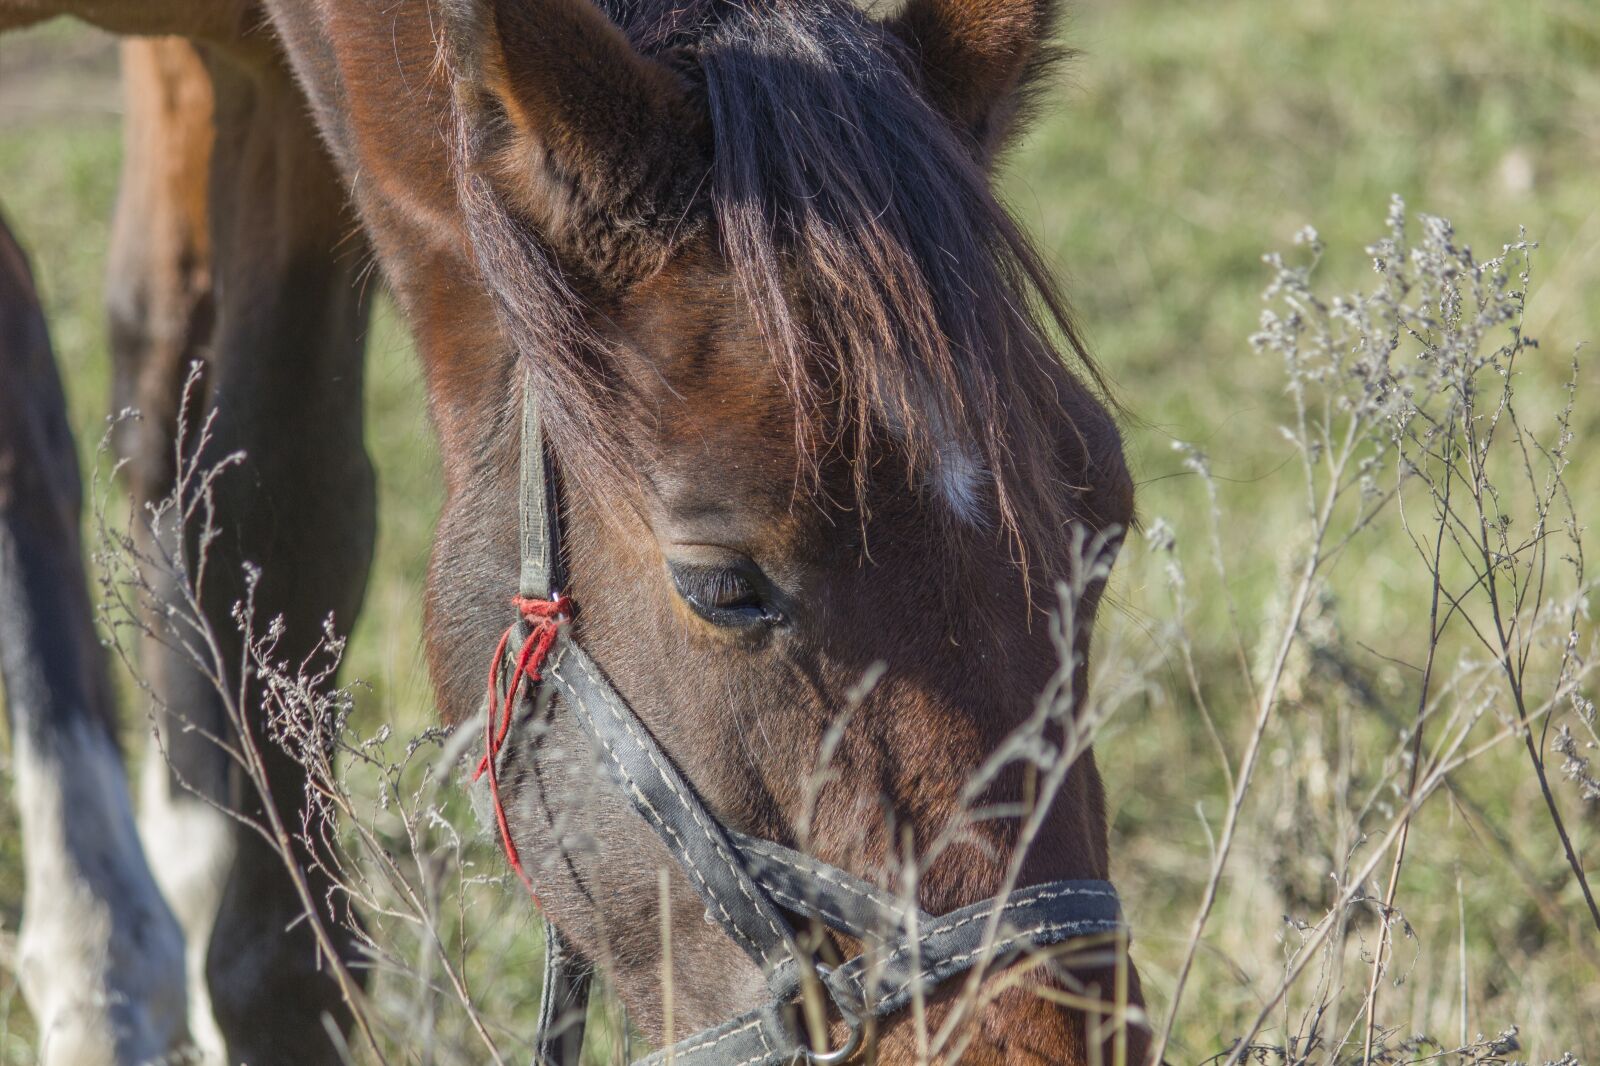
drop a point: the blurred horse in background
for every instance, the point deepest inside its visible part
(233, 246)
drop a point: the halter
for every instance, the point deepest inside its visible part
(747, 884)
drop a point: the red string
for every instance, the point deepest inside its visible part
(544, 618)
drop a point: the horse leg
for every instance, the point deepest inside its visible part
(233, 246)
(160, 309)
(286, 391)
(100, 955)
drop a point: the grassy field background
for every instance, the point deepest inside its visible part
(1187, 140)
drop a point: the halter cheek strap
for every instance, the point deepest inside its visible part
(748, 886)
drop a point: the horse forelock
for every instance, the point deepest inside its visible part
(901, 305)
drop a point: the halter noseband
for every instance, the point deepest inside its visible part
(747, 884)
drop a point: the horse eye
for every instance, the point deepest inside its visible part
(727, 596)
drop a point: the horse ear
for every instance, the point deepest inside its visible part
(606, 146)
(978, 59)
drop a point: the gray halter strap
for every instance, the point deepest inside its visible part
(749, 886)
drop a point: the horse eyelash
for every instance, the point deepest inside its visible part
(715, 586)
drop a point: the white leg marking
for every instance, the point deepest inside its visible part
(100, 957)
(190, 845)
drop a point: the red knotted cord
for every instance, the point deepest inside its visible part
(544, 618)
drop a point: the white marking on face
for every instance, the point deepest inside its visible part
(958, 477)
(957, 473)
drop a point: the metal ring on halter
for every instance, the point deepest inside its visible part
(851, 1043)
(838, 1054)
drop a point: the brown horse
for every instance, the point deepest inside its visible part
(799, 379)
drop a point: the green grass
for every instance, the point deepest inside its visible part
(1187, 140)
(1192, 139)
